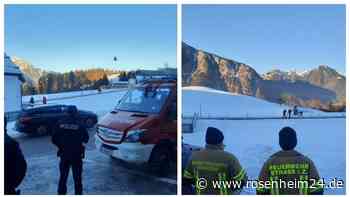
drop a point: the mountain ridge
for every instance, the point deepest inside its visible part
(312, 89)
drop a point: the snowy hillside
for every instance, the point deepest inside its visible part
(210, 102)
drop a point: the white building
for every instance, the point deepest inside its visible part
(13, 79)
(114, 78)
(142, 75)
(114, 81)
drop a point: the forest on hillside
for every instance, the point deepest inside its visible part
(53, 82)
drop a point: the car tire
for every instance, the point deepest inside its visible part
(89, 122)
(160, 160)
(42, 130)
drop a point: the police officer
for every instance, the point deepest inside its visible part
(15, 164)
(214, 164)
(288, 165)
(70, 138)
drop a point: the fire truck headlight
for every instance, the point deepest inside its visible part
(134, 135)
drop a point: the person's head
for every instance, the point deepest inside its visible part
(287, 138)
(72, 110)
(214, 136)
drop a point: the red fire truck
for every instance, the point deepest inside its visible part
(143, 126)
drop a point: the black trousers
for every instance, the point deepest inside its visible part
(77, 169)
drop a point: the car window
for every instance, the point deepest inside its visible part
(144, 100)
(63, 108)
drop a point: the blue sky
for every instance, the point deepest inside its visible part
(67, 37)
(267, 37)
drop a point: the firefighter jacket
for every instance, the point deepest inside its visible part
(211, 167)
(289, 167)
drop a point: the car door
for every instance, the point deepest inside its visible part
(52, 115)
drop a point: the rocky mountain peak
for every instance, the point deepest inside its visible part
(314, 88)
(31, 73)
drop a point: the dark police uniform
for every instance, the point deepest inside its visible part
(69, 137)
(15, 165)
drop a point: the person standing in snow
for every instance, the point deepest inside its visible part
(289, 113)
(295, 110)
(284, 114)
(31, 101)
(44, 100)
(15, 164)
(214, 164)
(70, 138)
(289, 165)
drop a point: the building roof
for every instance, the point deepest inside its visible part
(12, 69)
(159, 72)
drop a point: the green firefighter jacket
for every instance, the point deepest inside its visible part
(213, 164)
(289, 167)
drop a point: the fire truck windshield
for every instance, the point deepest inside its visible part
(144, 100)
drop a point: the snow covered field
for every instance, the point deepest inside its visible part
(39, 97)
(253, 141)
(210, 102)
(97, 103)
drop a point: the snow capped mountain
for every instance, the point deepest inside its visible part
(277, 74)
(322, 76)
(303, 73)
(31, 73)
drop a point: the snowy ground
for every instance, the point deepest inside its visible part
(253, 141)
(39, 97)
(99, 103)
(210, 102)
(101, 175)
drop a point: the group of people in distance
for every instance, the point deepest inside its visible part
(213, 166)
(287, 114)
(32, 102)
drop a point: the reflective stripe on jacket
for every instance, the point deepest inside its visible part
(289, 167)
